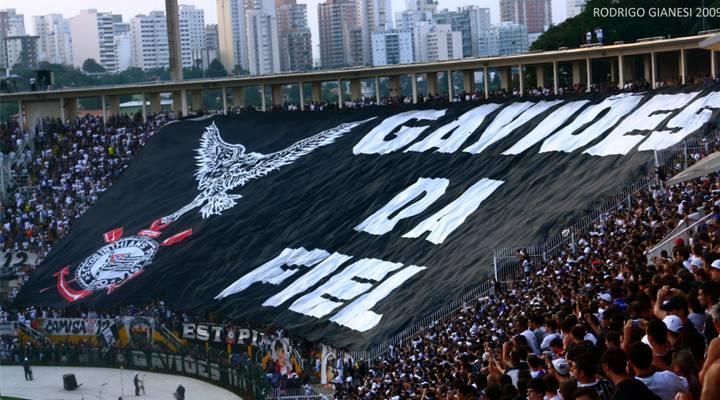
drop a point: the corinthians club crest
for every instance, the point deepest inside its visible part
(116, 263)
(222, 167)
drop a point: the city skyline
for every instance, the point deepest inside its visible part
(131, 8)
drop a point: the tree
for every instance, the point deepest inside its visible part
(216, 69)
(238, 70)
(192, 73)
(91, 66)
(571, 33)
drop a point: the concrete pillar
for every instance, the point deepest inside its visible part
(21, 115)
(114, 104)
(556, 84)
(468, 81)
(154, 103)
(394, 85)
(263, 106)
(277, 94)
(355, 89)
(540, 76)
(177, 101)
(613, 71)
(316, 91)
(505, 77)
(62, 109)
(143, 100)
(432, 82)
(486, 83)
(653, 78)
(196, 95)
(713, 66)
(588, 69)
(238, 96)
(173, 36)
(646, 67)
(340, 93)
(413, 83)
(302, 95)
(103, 108)
(682, 66)
(224, 96)
(621, 69)
(521, 79)
(450, 84)
(377, 90)
(183, 102)
(576, 73)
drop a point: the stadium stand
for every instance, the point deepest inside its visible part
(565, 329)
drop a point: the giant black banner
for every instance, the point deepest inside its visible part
(349, 225)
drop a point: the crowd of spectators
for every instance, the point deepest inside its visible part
(479, 95)
(62, 168)
(595, 322)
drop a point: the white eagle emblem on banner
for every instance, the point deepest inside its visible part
(223, 167)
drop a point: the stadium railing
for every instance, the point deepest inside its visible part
(33, 333)
(668, 243)
(170, 337)
(295, 393)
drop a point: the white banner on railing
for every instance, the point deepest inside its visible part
(9, 328)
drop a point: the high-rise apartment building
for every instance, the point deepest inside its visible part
(341, 39)
(536, 15)
(294, 36)
(372, 16)
(149, 38)
(422, 5)
(21, 50)
(54, 42)
(211, 36)
(232, 35)
(406, 20)
(392, 47)
(574, 7)
(120, 27)
(149, 41)
(93, 37)
(504, 39)
(436, 42)
(195, 20)
(11, 24)
(262, 37)
(470, 21)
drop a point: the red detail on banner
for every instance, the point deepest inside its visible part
(66, 291)
(176, 238)
(113, 235)
(158, 225)
(149, 233)
(116, 286)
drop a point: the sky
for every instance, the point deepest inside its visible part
(130, 8)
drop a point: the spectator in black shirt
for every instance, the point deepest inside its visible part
(614, 363)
